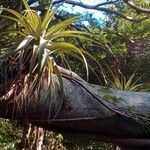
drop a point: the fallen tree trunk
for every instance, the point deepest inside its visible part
(115, 116)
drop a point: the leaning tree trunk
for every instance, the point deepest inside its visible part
(119, 117)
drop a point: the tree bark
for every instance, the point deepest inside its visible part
(119, 117)
(26, 136)
(33, 137)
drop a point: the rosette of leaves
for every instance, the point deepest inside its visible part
(42, 42)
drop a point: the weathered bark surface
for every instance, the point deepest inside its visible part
(85, 111)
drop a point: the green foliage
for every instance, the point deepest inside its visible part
(105, 90)
(121, 38)
(121, 33)
(112, 98)
(10, 135)
(130, 84)
(109, 96)
(133, 29)
(53, 141)
(74, 143)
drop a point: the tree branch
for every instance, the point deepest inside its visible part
(107, 10)
(82, 4)
(136, 8)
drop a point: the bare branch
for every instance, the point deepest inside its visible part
(108, 10)
(105, 3)
(84, 5)
(136, 8)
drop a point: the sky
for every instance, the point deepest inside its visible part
(77, 9)
(91, 2)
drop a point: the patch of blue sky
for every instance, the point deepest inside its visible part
(91, 2)
(78, 9)
(35, 4)
(97, 15)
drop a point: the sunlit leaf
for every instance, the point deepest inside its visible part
(48, 17)
(21, 46)
(60, 26)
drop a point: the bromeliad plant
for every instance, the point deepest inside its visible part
(120, 82)
(41, 42)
